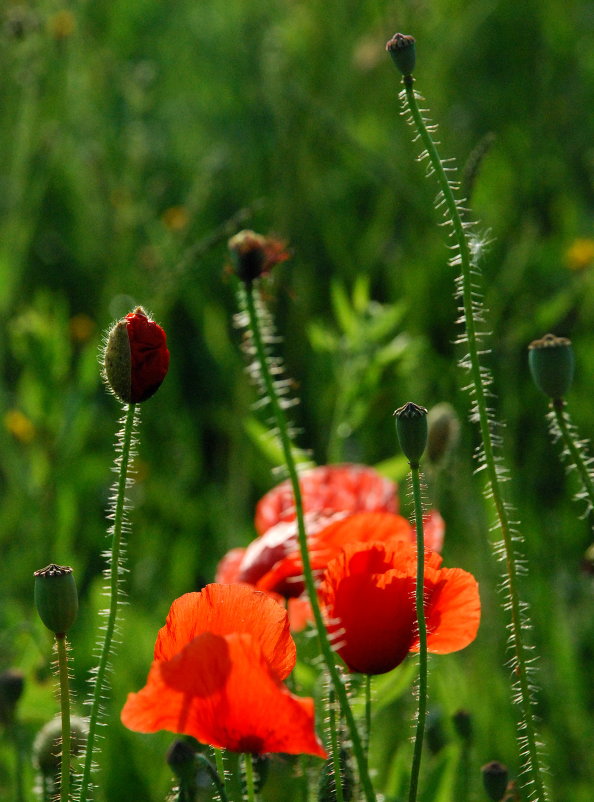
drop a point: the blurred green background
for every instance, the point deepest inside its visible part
(134, 138)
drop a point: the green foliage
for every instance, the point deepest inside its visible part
(135, 137)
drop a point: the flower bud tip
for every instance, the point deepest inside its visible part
(411, 428)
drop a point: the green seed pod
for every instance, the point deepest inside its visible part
(436, 735)
(552, 365)
(402, 49)
(495, 778)
(47, 746)
(56, 598)
(411, 428)
(12, 684)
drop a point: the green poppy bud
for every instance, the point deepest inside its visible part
(56, 597)
(462, 721)
(495, 778)
(552, 365)
(402, 49)
(444, 429)
(47, 746)
(411, 428)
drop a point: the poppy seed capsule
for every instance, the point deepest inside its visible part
(495, 777)
(402, 49)
(552, 365)
(254, 255)
(56, 598)
(136, 358)
(411, 428)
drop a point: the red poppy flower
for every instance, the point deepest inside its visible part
(136, 357)
(328, 489)
(217, 675)
(264, 565)
(369, 603)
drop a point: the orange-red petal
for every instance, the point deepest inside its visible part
(221, 690)
(225, 609)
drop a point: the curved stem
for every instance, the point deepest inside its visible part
(65, 712)
(527, 726)
(422, 629)
(122, 462)
(310, 586)
(564, 424)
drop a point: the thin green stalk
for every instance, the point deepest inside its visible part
(518, 613)
(335, 747)
(65, 712)
(220, 761)
(368, 680)
(326, 649)
(119, 506)
(422, 629)
(250, 791)
(578, 458)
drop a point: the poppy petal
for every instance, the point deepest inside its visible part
(221, 690)
(226, 609)
(327, 489)
(453, 610)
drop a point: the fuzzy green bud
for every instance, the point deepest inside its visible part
(552, 365)
(56, 597)
(12, 684)
(181, 758)
(411, 428)
(47, 745)
(402, 49)
(495, 779)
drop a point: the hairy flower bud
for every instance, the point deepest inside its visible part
(136, 358)
(56, 597)
(254, 255)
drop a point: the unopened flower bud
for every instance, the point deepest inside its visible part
(47, 746)
(402, 49)
(552, 365)
(462, 721)
(254, 255)
(495, 778)
(56, 597)
(136, 358)
(411, 427)
(444, 428)
(181, 758)
(12, 684)
(436, 735)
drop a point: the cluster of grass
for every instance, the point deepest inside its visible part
(135, 137)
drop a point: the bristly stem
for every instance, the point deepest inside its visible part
(472, 309)
(65, 713)
(118, 514)
(220, 762)
(326, 649)
(422, 630)
(574, 450)
(335, 747)
(249, 790)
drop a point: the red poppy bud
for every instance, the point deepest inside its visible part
(136, 357)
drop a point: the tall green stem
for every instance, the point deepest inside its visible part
(518, 613)
(220, 761)
(65, 712)
(422, 629)
(326, 649)
(335, 747)
(119, 506)
(250, 793)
